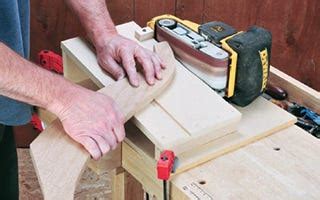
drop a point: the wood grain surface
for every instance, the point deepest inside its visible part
(295, 25)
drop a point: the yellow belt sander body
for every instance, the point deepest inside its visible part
(235, 64)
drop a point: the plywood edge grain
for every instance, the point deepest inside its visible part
(83, 57)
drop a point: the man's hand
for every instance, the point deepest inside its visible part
(93, 120)
(118, 56)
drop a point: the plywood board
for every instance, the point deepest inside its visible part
(53, 150)
(259, 120)
(186, 115)
(282, 166)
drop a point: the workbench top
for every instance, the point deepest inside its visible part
(282, 166)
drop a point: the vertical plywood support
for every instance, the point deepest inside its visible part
(125, 186)
(71, 70)
(118, 184)
(142, 168)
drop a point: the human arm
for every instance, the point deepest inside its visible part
(98, 129)
(112, 49)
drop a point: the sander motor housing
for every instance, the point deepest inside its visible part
(248, 61)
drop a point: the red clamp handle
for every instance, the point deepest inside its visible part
(36, 123)
(50, 61)
(165, 164)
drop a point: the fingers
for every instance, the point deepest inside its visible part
(115, 127)
(99, 144)
(129, 65)
(147, 65)
(118, 128)
(157, 67)
(124, 50)
(96, 145)
(162, 64)
(110, 139)
(91, 146)
(111, 66)
(103, 144)
(151, 64)
(119, 132)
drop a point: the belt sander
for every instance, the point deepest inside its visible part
(233, 63)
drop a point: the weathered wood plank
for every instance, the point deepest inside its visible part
(144, 10)
(121, 11)
(190, 10)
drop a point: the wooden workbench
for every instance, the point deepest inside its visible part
(281, 166)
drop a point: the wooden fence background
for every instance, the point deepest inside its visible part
(295, 25)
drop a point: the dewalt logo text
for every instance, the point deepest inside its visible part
(265, 66)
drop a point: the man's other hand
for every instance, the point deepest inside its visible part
(93, 120)
(118, 56)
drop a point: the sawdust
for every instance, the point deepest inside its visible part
(91, 186)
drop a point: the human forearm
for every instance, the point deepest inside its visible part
(90, 118)
(115, 53)
(95, 18)
(26, 82)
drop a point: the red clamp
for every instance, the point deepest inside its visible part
(165, 164)
(36, 123)
(50, 61)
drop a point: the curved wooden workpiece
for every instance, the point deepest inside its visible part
(59, 161)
